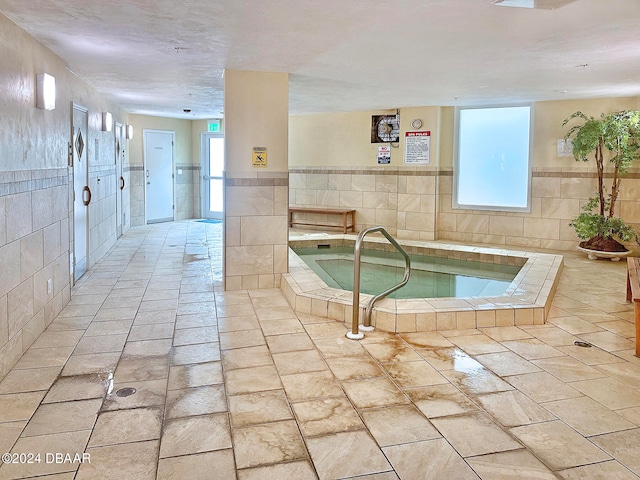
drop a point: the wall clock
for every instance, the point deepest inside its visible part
(416, 124)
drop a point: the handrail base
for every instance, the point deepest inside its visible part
(366, 328)
(355, 336)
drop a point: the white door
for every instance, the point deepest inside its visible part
(158, 164)
(119, 152)
(81, 191)
(212, 175)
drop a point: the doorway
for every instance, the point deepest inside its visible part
(119, 152)
(81, 191)
(158, 163)
(212, 148)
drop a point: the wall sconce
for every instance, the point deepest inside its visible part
(129, 132)
(107, 121)
(45, 91)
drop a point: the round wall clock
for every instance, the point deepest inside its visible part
(417, 123)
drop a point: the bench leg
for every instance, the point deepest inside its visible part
(636, 309)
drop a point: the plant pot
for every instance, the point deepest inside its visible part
(595, 254)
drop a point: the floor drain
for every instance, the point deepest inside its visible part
(578, 343)
(125, 392)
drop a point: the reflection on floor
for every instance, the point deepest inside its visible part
(236, 385)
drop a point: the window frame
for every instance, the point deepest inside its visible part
(456, 161)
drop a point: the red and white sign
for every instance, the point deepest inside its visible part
(416, 147)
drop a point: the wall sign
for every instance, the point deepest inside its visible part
(259, 157)
(384, 154)
(416, 147)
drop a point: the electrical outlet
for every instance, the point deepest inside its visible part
(49, 286)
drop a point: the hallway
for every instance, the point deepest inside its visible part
(237, 385)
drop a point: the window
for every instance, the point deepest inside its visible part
(492, 163)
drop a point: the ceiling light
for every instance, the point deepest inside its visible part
(45, 91)
(129, 132)
(545, 4)
(107, 121)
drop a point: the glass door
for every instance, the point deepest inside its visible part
(213, 175)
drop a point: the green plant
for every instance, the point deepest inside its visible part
(614, 140)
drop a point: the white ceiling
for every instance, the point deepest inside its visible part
(159, 57)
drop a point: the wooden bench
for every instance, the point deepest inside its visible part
(633, 293)
(344, 212)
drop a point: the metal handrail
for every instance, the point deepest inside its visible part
(355, 334)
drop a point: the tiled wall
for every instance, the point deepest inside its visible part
(416, 204)
(34, 247)
(187, 185)
(256, 240)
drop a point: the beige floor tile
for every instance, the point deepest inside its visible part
(394, 351)
(198, 466)
(430, 340)
(513, 408)
(71, 323)
(267, 444)
(609, 392)
(147, 348)
(353, 368)
(249, 380)
(275, 313)
(623, 328)
(137, 369)
(196, 401)
(542, 387)
(9, 433)
(100, 344)
(551, 335)
(476, 381)
(590, 355)
(246, 357)
(449, 359)
(517, 464)
(111, 314)
(624, 446)
(44, 357)
(234, 324)
(185, 436)
(478, 344)
(195, 375)
(325, 416)
(325, 329)
(190, 336)
(130, 460)
(19, 406)
(558, 446)
(567, 369)
(506, 363)
(532, 348)
(301, 470)
(72, 443)
(504, 334)
(587, 416)
(414, 374)
(127, 426)
(234, 310)
(117, 327)
(608, 341)
(374, 392)
(260, 407)
(428, 460)
(241, 339)
(149, 393)
(624, 372)
(346, 454)
(291, 343)
(201, 353)
(151, 318)
(154, 331)
(282, 327)
(396, 425)
(29, 380)
(311, 385)
(52, 338)
(440, 400)
(474, 434)
(299, 362)
(63, 417)
(611, 470)
(339, 347)
(575, 325)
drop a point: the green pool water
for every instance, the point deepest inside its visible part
(431, 277)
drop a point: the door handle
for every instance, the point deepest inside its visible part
(121, 183)
(88, 191)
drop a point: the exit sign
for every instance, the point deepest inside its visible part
(214, 126)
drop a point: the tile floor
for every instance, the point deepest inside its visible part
(235, 385)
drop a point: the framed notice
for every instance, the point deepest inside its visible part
(416, 148)
(259, 157)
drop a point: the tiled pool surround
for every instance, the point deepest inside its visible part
(526, 301)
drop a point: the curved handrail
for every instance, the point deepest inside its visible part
(355, 334)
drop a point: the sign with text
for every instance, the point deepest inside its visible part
(384, 154)
(259, 157)
(416, 148)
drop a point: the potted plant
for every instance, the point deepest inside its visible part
(614, 140)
